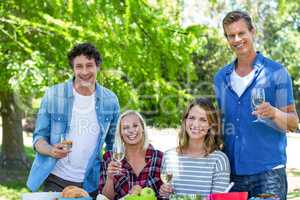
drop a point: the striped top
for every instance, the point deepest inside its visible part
(198, 175)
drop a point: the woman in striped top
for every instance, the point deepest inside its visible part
(197, 164)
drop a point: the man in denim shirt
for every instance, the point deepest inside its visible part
(255, 136)
(79, 111)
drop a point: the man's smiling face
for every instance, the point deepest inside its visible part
(85, 72)
(240, 38)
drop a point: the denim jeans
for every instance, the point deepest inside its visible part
(273, 182)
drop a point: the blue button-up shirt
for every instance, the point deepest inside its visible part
(54, 119)
(253, 147)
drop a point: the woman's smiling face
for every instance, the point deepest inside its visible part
(132, 130)
(196, 123)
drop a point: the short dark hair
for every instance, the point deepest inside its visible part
(235, 16)
(85, 49)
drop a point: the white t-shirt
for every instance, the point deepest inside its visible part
(238, 83)
(84, 132)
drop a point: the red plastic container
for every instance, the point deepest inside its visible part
(229, 196)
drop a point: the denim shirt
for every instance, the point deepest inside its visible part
(54, 119)
(253, 147)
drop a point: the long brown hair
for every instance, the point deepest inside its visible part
(213, 139)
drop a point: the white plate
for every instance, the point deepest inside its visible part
(102, 197)
(41, 196)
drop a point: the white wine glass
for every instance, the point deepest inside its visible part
(166, 175)
(257, 98)
(118, 152)
(67, 145)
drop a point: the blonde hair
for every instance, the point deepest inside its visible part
(213, 139)
(118, 136)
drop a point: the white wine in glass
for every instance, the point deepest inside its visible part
(118, 156)
(118, 152)
(67, 145)
(166, 176)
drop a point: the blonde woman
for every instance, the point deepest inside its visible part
(197, 164)
(141, 165)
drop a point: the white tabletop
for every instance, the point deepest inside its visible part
(40, 195)
(102, 197)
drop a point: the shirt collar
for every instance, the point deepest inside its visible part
(70, 89)
(148, 156)
(149, 153)
(257, 63)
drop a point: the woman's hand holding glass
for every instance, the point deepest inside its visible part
(166, 175)
(114, 168)
(165, 190)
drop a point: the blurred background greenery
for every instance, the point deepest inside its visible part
(153, 61)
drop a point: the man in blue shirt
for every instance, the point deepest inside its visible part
(81, 112)
(254, 135)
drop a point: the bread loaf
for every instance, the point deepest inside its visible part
(74, 192)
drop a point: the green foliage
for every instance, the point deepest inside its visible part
(148, 61)
(282, 39)
(151, 62)
(117, 81)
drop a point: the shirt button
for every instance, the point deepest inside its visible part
(237, 119)
(107, 119)
(237, 137)
(239, 102)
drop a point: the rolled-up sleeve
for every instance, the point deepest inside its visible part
(284, 88)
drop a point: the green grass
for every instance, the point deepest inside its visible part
(295, 195)
(13, 182)
(12, 190)
(295, 173)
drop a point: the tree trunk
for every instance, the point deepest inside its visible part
(12, 153)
